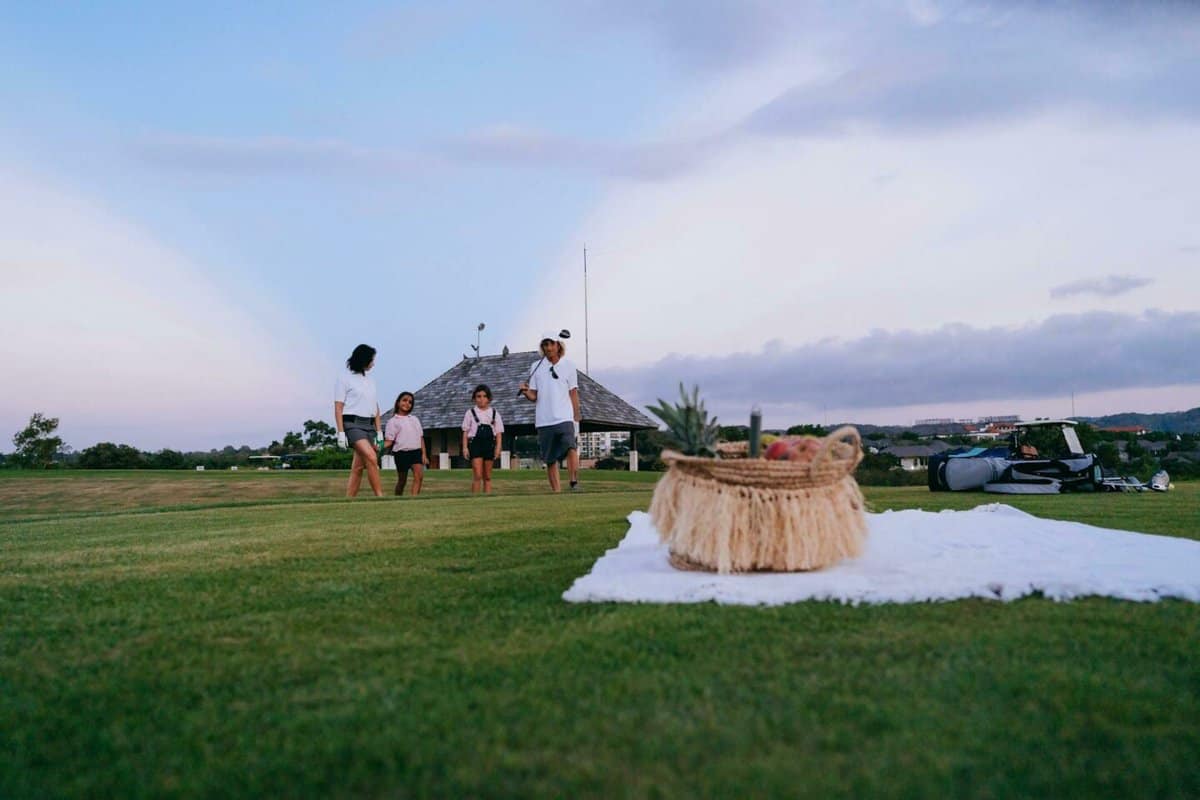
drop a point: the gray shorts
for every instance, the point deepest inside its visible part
(554, 441)
(358, 428)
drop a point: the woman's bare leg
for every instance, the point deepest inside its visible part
(418, 478)
(487, 475)
(364, 451)
(356, 470)
(401, 480)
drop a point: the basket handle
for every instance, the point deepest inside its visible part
(848, 434)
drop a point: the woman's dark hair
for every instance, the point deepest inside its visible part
(401, 396)
(483, 387)
(360, 359)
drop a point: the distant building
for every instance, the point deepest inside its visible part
(926, 430)
(993, 427)
(1136, 430)
(599, 444)
(993, 430)
(912, 457)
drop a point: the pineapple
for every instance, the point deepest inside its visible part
(688, 422)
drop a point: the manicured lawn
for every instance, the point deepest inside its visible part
(256, 636)
(26, 495)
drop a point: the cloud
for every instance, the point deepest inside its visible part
(499, 145)
(1108, 286)
(720, 35)
(125, 340)
(924, 12)
(932, 66)
(511, 145)
(801, 241)
(1091, 352)
(276, 156)
(709, 34)
(910, 92)
(921, 68)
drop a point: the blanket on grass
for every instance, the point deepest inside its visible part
(993, 551)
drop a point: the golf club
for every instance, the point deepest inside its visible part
(563, 334)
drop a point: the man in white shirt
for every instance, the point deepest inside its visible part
(554, 386)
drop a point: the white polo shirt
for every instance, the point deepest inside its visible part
(358, 393)
(554, 394)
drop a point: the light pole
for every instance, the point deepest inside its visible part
(478, 331)
(587, 367)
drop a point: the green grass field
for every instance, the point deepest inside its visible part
(248, 634)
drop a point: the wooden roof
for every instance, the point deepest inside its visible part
(442, 402)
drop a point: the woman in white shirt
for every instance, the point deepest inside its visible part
(356, 414)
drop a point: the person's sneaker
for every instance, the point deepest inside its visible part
(574, 486)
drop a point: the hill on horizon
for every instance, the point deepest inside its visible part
(1168, 422)
(1165, 422)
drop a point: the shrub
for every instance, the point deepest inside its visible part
(331, 458)
(167, 459)
(609, 462)
(107, 455)
(890, 477)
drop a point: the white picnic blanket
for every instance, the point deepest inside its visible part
(994, 551)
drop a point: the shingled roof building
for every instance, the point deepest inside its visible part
(441, 403)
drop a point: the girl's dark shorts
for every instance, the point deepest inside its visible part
(407, 459)
(479, 449)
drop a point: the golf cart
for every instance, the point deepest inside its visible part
(1044, 457)
(1160, 482)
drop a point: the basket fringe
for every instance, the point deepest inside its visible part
(708, 523)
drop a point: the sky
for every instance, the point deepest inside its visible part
(836, 211)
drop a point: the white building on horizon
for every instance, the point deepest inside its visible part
(599, 444)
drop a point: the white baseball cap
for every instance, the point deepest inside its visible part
(555, 336)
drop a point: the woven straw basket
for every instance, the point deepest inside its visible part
(747, 515)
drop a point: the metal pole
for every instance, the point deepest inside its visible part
(586, 361)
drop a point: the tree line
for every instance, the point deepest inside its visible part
(38, 446)
(314, 446)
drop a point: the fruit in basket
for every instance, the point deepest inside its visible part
(796, 448)
(804, 449)
(777, 450)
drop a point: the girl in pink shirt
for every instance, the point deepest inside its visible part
(405, 438)
(482, 431)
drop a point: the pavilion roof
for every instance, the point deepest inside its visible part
(442, 402)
